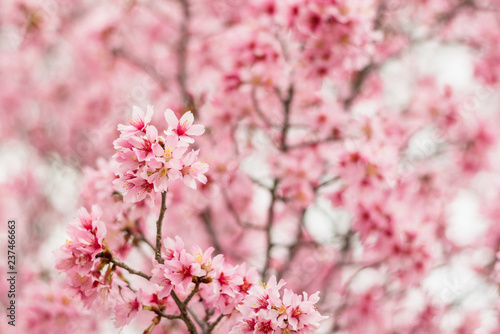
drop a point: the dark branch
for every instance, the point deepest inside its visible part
(158, 227)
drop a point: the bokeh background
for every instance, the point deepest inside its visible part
(384, 105)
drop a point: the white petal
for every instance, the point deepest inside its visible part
(171, 119)
(196, 130)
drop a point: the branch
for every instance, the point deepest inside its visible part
(357, 83)
(158, 227)
(344, 254)
(184, 313)
(235, 215)
(257, 108)
(312, 143)
(182, 54)
(206, 217)
(142, 236)
(144, 66)
(106, 255)
(270, 219)
(286, 109)
(164, 315)
(327, 182)
(197, 320)
(293, 249)
(191, 295)
(215, 323)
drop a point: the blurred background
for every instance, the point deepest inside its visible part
(368, 128)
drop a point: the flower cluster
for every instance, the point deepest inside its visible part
(264, 311)
(148, 161)
(49, 310)
(78, 257)
(221, 285)
(227, 288)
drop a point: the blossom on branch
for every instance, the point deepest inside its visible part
(148, 162)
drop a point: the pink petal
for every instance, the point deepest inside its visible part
(188, 118)
(149, 114)
(171, 119)
(196, 130)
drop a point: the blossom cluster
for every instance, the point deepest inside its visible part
(79, 257)
(49, 310)
(221, 285)
(149, 161)
(227, 289)
(265, 311)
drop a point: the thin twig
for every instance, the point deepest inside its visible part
(235, 215)
(144, 66)
(258, 109)
(184, 313)
(142, 236)
(182, 55)
(127, 268)
(294, 248)
(158, 227)
(167, 316)
(197, 320)
(307, 144)
(206, 218)
(287, 102)
(269, 224)
(215, 323)
(191, 295)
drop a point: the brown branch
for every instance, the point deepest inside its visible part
(106, 255)
(144, 66)
(258, 109)
(327, 182)
(235, 215)
(191, 295)
(215, 323)
(344, 254)
(164, 315)
(184, 313)
(182, 54)
(142, 236)
(312, 143)
(294, 247)
(200, 323)
(158, 227)
(357, 83)
(287, 102)
(269, 224)
(206, 217)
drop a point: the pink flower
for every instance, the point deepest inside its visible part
(204, 258)
(250, 278)
(86, 241)
(148, 162)
(184, 127)
(159, 174)
(49, 310)
(301, 314)
(138, 121)
(79, 261)
(262, 322)
(264, 311)
(226, 281)
(159, 276)
(126, 308)
(263, 296)
(183, 270)
(192, 170)
(142, 146)
(136, 189)
(172, 248)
